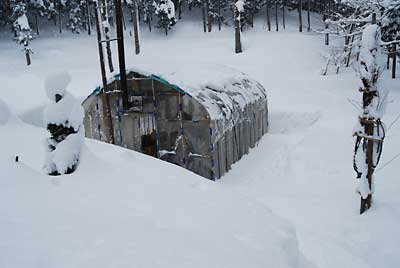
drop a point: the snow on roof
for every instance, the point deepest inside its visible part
(222, 90)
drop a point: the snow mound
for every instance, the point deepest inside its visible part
(67, 111)
(125, 209)
(57, 83)
(4, 113)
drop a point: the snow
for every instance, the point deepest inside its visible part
(123, 209)
(107, 216)
(68, 110)
(22, 22)
(4, 113)
(224, 91)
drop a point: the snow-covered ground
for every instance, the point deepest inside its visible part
(290, 203)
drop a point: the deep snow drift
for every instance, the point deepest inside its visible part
(124, 209)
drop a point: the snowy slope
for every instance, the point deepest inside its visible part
(123, 209)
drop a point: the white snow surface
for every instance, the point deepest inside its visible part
(57, 83)
(125, 209)
(147, 214)
(4, 113)
(68, 111)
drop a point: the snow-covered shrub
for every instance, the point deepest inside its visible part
(64, 120)
(369, 126)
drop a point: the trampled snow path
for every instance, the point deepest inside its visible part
(302, 170)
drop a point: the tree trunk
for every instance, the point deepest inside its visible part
(149, 21)
(136, 27)
(276, 16)
(203, 6)
(238, 42)
(36, 24)
(219, 15)
(394, 61)
(106, 112)
(28, 57)
(283, 15)
(59, 17)
(105, 24)
(209, 18)
(88, 18)
(308, 16)
(268, 16)
(180, 9)
(300, 7)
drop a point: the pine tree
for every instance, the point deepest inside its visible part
(76, 15)
(22, 30)
(251, 8)
(166, 15)
(391, 22)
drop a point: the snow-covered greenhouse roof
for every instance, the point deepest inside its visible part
(222, 90)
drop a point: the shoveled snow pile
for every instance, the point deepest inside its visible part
(123, 209)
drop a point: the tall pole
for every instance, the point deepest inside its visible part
(106, 111)
(121, 53)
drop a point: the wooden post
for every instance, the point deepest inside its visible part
(136, 27)
(394, 61)
(121, 53)
(106, 111)
(368, 123)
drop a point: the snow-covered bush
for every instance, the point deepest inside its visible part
(370, 131)
(64, 120)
